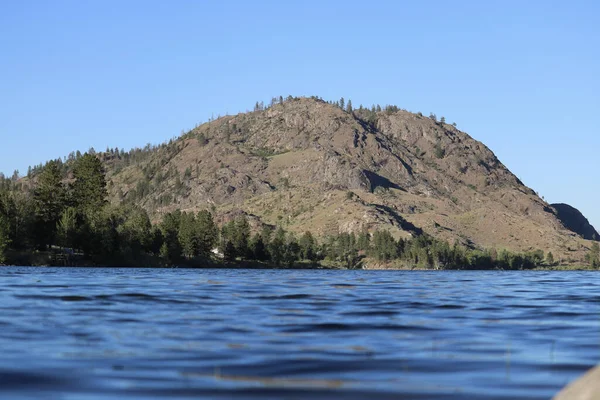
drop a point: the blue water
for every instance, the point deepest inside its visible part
(77, 333)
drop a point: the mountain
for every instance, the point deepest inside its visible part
(312, 165)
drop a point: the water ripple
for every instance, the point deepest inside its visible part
(139, 333)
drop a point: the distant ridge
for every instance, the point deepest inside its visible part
(574, 220)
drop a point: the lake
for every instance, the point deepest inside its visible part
(98, 333)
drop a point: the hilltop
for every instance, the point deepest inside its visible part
(307, 164)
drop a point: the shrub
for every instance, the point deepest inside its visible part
(202, 140)
(439, 151)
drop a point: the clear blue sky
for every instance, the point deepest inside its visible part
(521, 76)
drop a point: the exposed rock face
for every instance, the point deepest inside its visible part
(574, 220)
(309, 165)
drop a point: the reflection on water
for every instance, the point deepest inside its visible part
(131, 333)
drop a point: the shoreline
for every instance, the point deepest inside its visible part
(363, 262)
(299, 266)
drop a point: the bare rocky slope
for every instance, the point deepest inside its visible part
(309, 165)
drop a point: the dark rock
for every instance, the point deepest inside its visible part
(573, 220)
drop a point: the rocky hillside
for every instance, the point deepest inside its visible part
(311, 165)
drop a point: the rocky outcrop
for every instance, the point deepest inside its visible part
(574, 221)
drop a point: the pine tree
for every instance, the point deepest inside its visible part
(207, 233)
(277, 246)
(4, 237)
(164, 251)
(241, 235)
(156, 241)
(136, 230)
(67, 227)
(89, 188)
(170, 230)
(384, 246)
(550, 258)
(291, 252)
(363, 241)
(226, 235)
(229, 251)
(187, 235)
(349, 106)
(258, 248)
(50, 198)
(20, 212)
(308, 246)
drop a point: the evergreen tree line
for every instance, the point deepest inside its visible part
(426, 252)
(72, 216)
